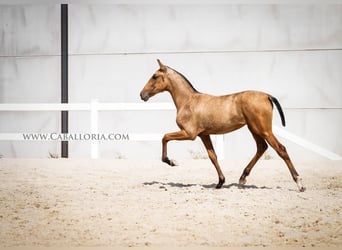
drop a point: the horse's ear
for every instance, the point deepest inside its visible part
(161, 65)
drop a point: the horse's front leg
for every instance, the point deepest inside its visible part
(179, 135)
(212, 156)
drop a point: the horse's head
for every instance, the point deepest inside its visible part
(157, 83)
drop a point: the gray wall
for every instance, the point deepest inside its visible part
(29, 73)
(291, 51)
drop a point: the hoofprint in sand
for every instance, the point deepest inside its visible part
(59, 202)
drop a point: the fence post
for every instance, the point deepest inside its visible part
(94, 128)
(64, 78)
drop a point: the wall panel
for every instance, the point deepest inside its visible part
(290, 51)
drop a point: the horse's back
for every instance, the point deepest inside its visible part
(249, 96)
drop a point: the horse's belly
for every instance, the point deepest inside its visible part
(222, 124)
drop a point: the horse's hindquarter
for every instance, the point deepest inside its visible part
(257, 109)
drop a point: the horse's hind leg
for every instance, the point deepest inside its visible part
(281, 150)
(212, 155)
(261, 148)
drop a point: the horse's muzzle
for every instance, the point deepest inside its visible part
(144, 96)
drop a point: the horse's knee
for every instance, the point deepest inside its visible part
(282, 148)
(282, 152)
(165, 139)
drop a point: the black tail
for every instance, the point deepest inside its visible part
(280, 110)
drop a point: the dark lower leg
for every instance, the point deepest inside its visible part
(281, 150)
(261, 148)
(212, 156)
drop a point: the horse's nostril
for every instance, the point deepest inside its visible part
(144, 96)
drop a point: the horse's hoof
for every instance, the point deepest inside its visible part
(301, 188)
(242, 181)
(172, 163)
(221, 182)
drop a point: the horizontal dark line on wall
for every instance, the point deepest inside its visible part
(27, 56)
(179, 52)
(207, 52)
(172, 2)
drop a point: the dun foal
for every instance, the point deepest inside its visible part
(202, 114)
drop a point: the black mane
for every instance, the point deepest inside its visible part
(185, 79)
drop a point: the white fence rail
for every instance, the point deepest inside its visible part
(94, 107)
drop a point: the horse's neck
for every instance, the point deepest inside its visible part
(180, 91)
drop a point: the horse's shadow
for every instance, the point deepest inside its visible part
(208, 186)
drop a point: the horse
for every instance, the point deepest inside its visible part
(201, 115)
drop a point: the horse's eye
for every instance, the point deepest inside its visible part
(154, 77)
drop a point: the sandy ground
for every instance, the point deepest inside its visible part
(48, 202)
